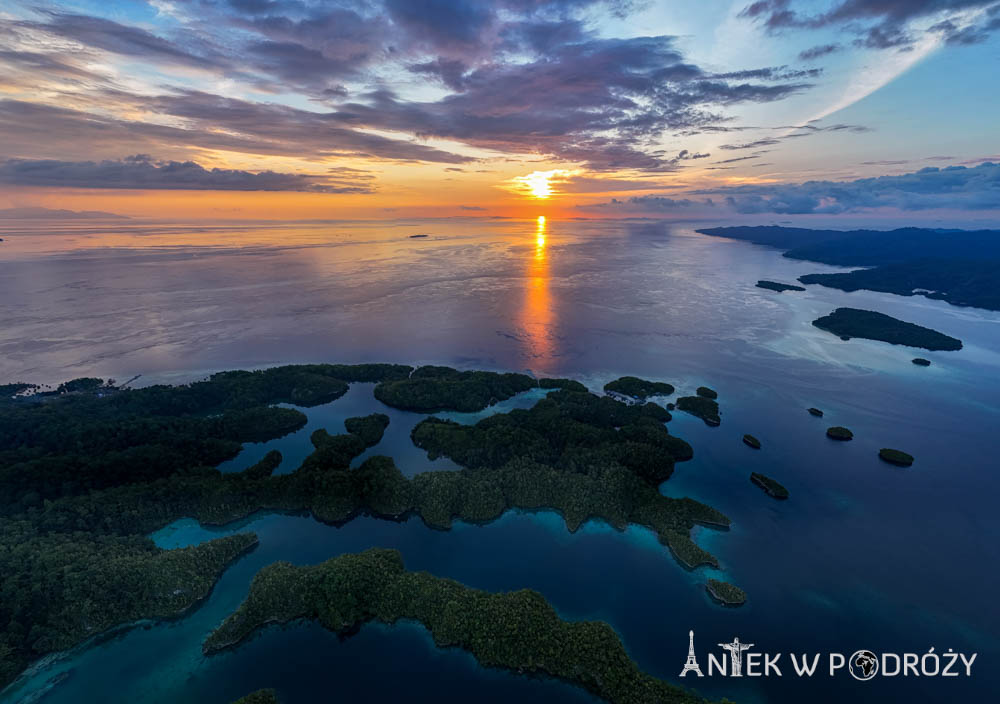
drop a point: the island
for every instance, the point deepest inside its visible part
(705, 408)
(517, 631)
(91, 469)
(921, 362)
(706, 392)
(751, 441)
(867, 324)
(779, 287)
(837, 432)
(415, 237)
(773, 488)
(725, 593)
(815, 412)
(636, 388)
(896, 457)
(961, 267)
(430, 389)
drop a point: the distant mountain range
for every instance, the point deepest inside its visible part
(961, 267)
(55, 214)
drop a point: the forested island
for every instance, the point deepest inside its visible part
(867, 324)
(773, 488)
(779, 287)
(961, 267)
(640, 389)
(89, 470)
(515, 630)
(726, 593)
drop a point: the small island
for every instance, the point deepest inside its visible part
(921, 362)
(773, 488)
(751, 441)
(815, 412)
(837, 432)
(726, 593)
(896, 457)
(517, 631)
(706, 392)
(636, 388)
(867, 324)
(779, 287)
(704, 408)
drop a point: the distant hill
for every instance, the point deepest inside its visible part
(51, 214)
(958, 266)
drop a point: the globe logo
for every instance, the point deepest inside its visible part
(863, 665)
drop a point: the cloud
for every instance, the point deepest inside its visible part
(883, 24)
(142, 172)
(820, 51)
(531, 79)
(953, 187)
(470, 207)
(649, 204)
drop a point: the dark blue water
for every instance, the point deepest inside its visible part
(863, 554)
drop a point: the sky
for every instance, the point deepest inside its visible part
(774, 110)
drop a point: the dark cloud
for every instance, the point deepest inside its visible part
(818, 52)
(772, 73)
(649, 204)
(143, 172)
(954, 187)
(880, 24)
(470, 207)
(527, 78)
(215, 123)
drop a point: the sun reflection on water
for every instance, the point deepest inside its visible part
(537, 315)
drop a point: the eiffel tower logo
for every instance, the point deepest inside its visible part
(692, 663)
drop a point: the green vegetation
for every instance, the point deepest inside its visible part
(751, 441)
(430, 389)
(779, 287)
(568, 430)
(89, 469)
(921, 362)
(516, 630)
(867, 324)
(726, 593)
(839, 433)
(897, 457)
(769, 485)
(88, 472)
(262, 696)
(638, 388)
(961, 282)
(705, 408)
(815, 412)
(369, 429)
(568, 384)
(706, 392)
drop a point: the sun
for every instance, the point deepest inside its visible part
(538, 184)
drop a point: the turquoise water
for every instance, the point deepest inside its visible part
(863, 555)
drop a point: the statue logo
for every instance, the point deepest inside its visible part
(692, 663)
(863, 665)
(736, 655)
